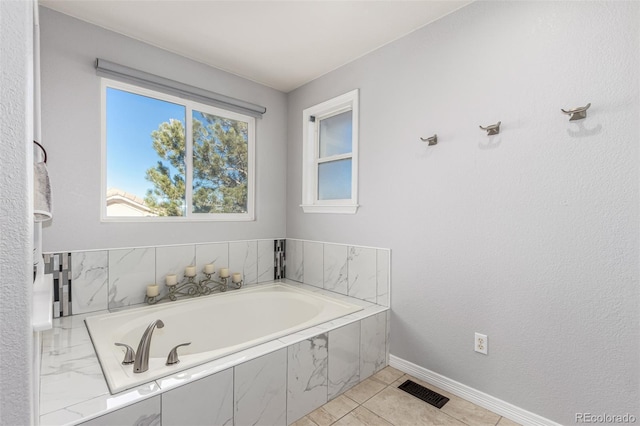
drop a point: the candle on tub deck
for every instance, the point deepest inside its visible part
(209, 268)
(224, 273)
(190, 271)
(171, 279)
(237, 277)
(152, 290)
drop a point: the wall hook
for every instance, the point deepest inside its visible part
(433, 140)
(493, 129)
(577, 113)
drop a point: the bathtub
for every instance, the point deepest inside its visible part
(215, 325)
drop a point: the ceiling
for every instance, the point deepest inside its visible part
(281, 44)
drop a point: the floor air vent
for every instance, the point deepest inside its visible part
(427, 395)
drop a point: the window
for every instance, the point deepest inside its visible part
(167, 158)
(330, 156)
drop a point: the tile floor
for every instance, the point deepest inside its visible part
(377, 401)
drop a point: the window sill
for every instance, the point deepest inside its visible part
(335, 209)
(219, 217)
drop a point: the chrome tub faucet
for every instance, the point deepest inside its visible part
(141, 363)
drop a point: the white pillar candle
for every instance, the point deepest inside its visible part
(190, 271)
(171, 279)
(237, 277)
(152, 290)
(209, 268)
(224, 273)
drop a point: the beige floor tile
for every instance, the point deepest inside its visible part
(387, 375)
(402, 409)
(332, 410)
(400, 380)
(457, 407)
(506, 422)
(365, 390)
(321, 417)
(305, 421)
(362, 417)
(468, 412)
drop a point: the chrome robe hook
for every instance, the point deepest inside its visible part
(493, 129)
(433, 140)
(577, 113)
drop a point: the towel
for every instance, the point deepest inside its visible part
(41, 193)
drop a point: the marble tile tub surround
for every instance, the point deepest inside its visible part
(356, 271)
(117, 278)
(314, 366)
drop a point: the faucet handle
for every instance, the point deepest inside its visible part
(129, 356)
(173, 355)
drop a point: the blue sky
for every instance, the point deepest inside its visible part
(131, 119)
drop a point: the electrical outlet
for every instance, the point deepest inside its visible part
(481, 343)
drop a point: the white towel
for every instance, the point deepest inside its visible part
(41, 193)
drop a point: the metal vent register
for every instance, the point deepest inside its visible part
(427, 395)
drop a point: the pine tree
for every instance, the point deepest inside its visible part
(220, 167)
(220, 164)
(167, 196)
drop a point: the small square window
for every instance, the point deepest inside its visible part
(330, 161)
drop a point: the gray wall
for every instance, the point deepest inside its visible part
(16, 212)
(71, 128)
(530, 237)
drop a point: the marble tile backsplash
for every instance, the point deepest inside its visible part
(266, 260)
(130, 271)
(360, 272)
(172, 260)
(335, 268)
(243, 258)
(113, 279)
(216, 253)
(313, 270)
(294, 250)
(90, 278)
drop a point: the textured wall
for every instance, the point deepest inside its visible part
(530, 237)
(16, 213)
(71, 125)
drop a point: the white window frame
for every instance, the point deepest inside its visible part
(310, 155)
(189, 107)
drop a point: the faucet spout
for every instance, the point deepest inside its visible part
(141, 363)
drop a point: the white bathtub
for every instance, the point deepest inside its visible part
(215, 325)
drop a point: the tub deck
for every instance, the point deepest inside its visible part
(73, 387)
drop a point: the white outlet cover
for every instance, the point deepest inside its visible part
(481, 343)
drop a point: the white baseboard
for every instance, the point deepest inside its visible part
(498, 406)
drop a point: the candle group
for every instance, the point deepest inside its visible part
(209, 269)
